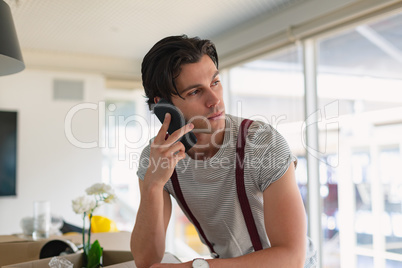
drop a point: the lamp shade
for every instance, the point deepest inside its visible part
(10, 53)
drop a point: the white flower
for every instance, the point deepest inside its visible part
(111, 198)
(83, 204)
(100, 188)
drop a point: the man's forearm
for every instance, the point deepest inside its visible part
(148, 237)
(277, 257)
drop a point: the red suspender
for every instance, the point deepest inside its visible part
(241, 193)
(179, 195)
(241, 189)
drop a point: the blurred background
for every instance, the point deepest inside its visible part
(326, 74)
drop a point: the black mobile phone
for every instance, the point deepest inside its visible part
(177, 121)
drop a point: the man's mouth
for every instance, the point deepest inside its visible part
(215, 116)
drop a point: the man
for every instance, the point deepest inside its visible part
(184, 71)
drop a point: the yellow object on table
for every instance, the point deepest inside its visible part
(100, 224)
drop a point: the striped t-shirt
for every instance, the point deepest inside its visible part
(209, 186)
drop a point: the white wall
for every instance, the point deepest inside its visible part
(49, 166)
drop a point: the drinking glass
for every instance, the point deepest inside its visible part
(41, 226)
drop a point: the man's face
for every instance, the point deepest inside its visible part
(199, 84)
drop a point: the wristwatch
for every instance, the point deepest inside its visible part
(200, 263)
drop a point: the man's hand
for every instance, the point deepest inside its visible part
(165, 153)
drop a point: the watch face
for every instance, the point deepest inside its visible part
(200, 263)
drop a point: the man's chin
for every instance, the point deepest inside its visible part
(203, 131)
(211, 129)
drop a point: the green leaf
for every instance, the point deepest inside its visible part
(94, 255)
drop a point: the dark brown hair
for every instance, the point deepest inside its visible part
(162, 64)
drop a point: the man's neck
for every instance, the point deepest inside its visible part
(207, 145)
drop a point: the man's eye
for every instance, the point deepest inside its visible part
(193, 92)
(215, 83)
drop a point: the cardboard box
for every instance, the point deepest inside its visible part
(108, 241)
(19, 251)
(11, 238)
(14, 249)
(111, 259)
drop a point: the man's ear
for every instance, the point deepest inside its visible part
(156, 99)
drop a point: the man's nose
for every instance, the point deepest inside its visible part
(212, 99)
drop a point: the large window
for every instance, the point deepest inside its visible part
(361, 70)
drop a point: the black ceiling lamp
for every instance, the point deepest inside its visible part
(10, 53)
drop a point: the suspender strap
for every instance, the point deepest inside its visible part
(241, 189)
(179, 195)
